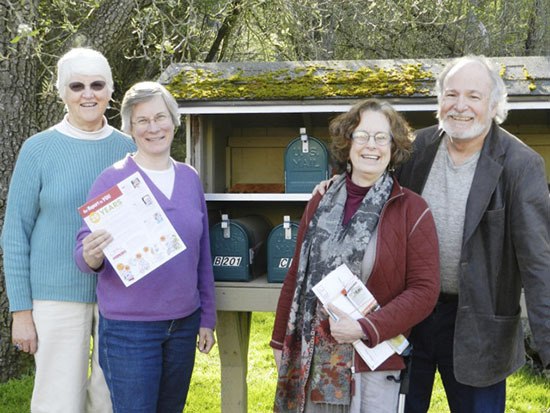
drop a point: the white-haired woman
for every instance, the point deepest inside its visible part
(149, 330)
(52, 302)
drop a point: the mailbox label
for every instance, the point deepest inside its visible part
(224, 261)
(285, 262)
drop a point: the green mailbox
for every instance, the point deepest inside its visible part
(238, 247)
(280, 249)
(306, 163)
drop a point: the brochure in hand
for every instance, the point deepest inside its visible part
(347, 292)
(143, 237)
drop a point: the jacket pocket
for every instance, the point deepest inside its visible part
(486, 346)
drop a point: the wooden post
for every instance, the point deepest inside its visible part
(233, 334)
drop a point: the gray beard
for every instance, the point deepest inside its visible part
(473, 132)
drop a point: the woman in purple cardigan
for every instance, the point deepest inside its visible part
(148, 331)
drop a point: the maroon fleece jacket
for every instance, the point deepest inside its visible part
(404, 279)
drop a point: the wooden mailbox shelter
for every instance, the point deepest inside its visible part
(240, 117)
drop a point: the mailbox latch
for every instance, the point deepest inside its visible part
(305, 140)
(225, 226)
(286, 226)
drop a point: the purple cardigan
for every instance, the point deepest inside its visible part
(178, 287)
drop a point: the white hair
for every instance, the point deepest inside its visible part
(499, 95)
(82, 61)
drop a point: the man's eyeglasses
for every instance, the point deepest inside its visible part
(96, 86)
(380, 138)
(160, 119)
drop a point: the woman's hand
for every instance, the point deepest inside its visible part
(92, 248)
(23, 332)
(206, 340)
(277, 355)
(346, 329)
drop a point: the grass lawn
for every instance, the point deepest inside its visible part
(526, 393)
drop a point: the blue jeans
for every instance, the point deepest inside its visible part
(432, 342)
(148, 364)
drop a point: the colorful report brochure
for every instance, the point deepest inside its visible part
(143, 237)
(347, 292)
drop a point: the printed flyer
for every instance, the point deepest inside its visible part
(143, 237)
(346, 291)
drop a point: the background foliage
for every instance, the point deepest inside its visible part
(142, 37)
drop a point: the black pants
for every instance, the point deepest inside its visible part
(432, 342)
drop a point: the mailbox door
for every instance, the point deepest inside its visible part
(280, 251)
(304, 170)
(230, 256)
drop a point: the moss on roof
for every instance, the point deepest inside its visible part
(530, 78)
(305, 82)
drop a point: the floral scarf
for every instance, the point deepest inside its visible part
(327, 244)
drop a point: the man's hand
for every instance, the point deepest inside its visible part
(323, 186)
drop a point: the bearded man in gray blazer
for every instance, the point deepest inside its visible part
(488, 193)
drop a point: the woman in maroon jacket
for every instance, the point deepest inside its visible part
(386, 235)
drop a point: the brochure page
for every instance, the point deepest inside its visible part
(143, 237)
(347, 292)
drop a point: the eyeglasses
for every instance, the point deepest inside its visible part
(380, 138)
(96, 86)
(160, 119)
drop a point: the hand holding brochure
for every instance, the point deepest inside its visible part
(345, 291)
(143, 237)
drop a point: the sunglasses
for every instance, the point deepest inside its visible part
(96, 86)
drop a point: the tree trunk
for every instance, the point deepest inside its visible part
(17, 108)
(536, 42)
(224, 31)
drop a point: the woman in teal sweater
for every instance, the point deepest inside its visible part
(52, 302)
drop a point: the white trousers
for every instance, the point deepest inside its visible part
(374, 393)
(63, 359)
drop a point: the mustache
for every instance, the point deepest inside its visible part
(460, 114)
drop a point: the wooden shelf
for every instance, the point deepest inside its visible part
(254, 295)
(218, 197)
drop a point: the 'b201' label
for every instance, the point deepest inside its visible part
(221, 261)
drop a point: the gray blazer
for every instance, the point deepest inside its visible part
(506, 244)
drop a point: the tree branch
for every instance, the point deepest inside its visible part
(224, 30)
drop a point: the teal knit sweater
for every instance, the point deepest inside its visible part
(51, 179)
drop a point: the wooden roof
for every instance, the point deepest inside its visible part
(325, 86)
